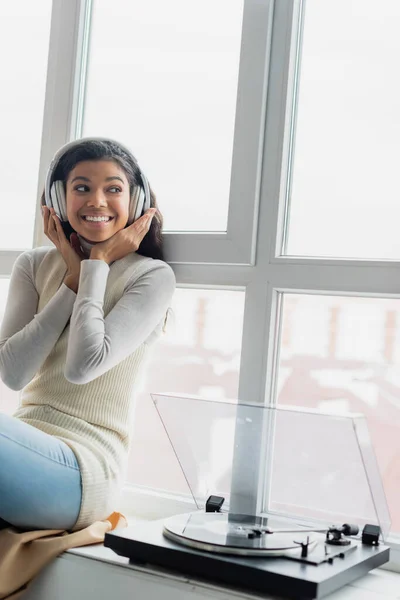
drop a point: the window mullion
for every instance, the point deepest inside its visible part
(365, 279)
(261, 323)
(249, 126)
(66, 37)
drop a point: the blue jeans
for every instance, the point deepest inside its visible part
(40, 480)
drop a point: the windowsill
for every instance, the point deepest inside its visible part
(96, 572)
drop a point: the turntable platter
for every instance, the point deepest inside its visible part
(228, 533)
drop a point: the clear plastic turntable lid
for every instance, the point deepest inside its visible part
(316, 467)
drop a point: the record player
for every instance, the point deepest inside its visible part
(323, 517)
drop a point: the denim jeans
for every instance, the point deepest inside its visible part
(40, 480)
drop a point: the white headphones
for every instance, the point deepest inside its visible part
(55, 195)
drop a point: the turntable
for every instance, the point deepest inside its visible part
(323, 517)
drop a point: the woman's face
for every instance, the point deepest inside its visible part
(97, 188)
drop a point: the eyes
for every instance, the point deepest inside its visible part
(114, 189)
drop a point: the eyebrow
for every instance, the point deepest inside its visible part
(87, 179)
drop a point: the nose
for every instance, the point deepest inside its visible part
(97, 199)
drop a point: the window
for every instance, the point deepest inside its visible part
(175, 71)
(343, 196)
(8, 398)
(297, 238)
(335, 318)
(179, 92)
(24, 42)
(199, 355)
(341, 354)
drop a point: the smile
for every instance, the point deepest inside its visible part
(97, 221)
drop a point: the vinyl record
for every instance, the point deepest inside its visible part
(229, 533)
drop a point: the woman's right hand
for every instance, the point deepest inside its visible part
(70, 251)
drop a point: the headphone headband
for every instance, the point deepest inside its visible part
(139, 202)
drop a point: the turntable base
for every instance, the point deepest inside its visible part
(146, 544)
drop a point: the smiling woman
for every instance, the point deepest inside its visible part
(82, 182)
(96, 206)
(78, 326)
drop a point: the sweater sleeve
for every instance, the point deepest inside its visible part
(96, 344)
(27, 338)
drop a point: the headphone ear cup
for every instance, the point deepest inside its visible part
(132, 206)
(62, 204)
(135, 205)
(139, 204)
(147, 194)
(54, 198)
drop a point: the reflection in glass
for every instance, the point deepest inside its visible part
(342, 354)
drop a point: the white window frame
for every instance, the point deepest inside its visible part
(290, 274)
(63, 122)
(259, 200)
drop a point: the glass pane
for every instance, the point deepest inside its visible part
(24, 41)
(342, 354)
(8, 398)
(344, 199)
(200, 354)
(162, 78)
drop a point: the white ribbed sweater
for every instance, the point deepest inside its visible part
(79, 357)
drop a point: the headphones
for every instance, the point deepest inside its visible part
(54, 192)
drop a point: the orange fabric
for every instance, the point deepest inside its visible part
(114, 519)
(24, 553)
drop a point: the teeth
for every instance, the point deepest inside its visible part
(97, 219)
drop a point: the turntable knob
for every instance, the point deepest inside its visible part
(349, 529)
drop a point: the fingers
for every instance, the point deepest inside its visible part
(58, 228)
(52, 226)
(53, 230)
(48, 224)
(45, 215)
(150, 213)
(138, 229)
(144, 225)
(145, 221)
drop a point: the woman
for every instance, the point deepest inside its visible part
(79, 321)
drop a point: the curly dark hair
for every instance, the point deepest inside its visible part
(152, 243)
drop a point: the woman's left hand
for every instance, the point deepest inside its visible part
(125, 241)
